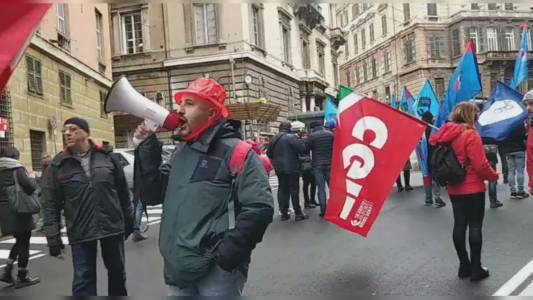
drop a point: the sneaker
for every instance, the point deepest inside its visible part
(480, 274)
(521, 195)
(496, 204)
(439, 203)
(428, 203)
(514, 195)
(408, 188)
(400, 189)
(23, 280)
(464, 271)
(301, 217)
(7, 275)
(285, 217)
(138, 236)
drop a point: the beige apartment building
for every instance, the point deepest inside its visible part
(279, 55)
(65, 72)
(391, 45)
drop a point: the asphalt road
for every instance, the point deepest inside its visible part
(408, 252)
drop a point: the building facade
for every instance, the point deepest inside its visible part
(65, 72)
(261, 52)
(391, 45)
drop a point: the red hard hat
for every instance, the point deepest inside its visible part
(206, 89)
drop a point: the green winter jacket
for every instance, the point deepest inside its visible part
(195, 230)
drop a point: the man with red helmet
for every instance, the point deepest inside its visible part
(212, 217)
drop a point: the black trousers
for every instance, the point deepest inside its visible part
(289, 188)
(309, 187)
(468, 211)
(21, 249)
(406, 178)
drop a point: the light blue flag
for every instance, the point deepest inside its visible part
(503, 113)
(520, 66)
(427, 101)
(394, 103)
(330, 114)
(422, 155)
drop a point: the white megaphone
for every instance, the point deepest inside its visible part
(122, 97)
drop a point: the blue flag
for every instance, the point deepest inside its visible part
(464, 84)
(422, 155)
(427, 101)
(407, 102)
(520, 66)
(330, 114)
(503, 113)
(393, 103)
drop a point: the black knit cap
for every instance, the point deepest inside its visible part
(81, 123)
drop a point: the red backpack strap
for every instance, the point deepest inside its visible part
(238, 157)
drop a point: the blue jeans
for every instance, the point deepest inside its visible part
(516, 162)
(321, 179)
(217, 283)
(493, 191)
(138, 217)
(84, 262)
(432, 192)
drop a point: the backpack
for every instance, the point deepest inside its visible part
(445, 168)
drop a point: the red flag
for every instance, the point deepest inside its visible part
(370, 149)
(17, 21)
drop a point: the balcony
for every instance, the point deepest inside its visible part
(310, 14)
(336, 37)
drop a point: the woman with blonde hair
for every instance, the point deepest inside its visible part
(467, 197)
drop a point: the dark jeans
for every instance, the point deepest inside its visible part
(309, 187)
(21, 249)
(289, 187)
(84, 261)
(503, 159)
(322, 178)
(493, 192)
(468, 211)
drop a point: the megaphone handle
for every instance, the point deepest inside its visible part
(151, 124)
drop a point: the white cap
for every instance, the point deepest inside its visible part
(297, 126)
(528, 96)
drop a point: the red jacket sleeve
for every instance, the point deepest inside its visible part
(477, 159)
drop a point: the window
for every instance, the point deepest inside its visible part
(492, 6)
(432, 10)
(387, 92)
(439, 87)
(348, 78)
(360, 78)
(365, 72)
(257, 26)
(65, 94)
(335, 75)
(306, 56)
(386, 61)
(132, 33)
(509, 39)
(321, 60)
(509, 6)
(434, 47)
(474, 6)
(384, 25)
(363, 39)
(456, 43)
(472, 34)
(355, 10)
(374, 68)
(346, 50)
(365, 7)
(493, 79)
(38, 147)
(355, 43)
(285, 27)
(344, 18)
(99, 35)
(409, 49)
(206, 23)
(61, 20)
(492, 39)
(371, 32)
(102, 105)
(406, 12)
(33, 70)
(358, 74)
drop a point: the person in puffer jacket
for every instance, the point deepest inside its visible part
(528, 102)
(468, 197)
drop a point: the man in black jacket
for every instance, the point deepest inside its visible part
(514, 147)
(88, 182)
(283, 151)
(320, 144)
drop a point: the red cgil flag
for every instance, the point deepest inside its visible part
(17, 22)
(372, 143)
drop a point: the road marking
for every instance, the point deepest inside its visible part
(510, 286)
(4, 254)
(38, 240)
(31, 258)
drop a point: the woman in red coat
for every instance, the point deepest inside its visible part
(468, 197)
